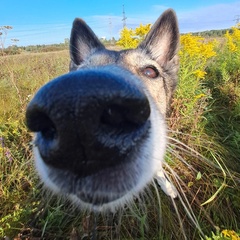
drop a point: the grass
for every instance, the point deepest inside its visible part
(20, 76)
(203, 154)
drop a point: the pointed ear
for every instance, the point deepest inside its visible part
(83, 41)
(162, 41)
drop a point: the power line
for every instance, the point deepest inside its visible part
(124, 18)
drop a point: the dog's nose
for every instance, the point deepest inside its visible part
(89, 119)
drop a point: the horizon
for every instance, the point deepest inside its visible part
(45, 23)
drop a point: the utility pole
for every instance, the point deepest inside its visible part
(124, 18)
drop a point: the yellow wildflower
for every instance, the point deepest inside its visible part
(126, 39)
(230, 42)
(236, 34)
(231, 234)
(130, 38)
(207, 49)
(195, 46)
(201, 95)
(200, 74)
(142, 31)
(190, 44)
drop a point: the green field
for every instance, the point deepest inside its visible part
(203, 152)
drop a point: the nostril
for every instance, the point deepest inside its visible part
(49, 132)
(38, 121)
(113, 116)
(126, 117)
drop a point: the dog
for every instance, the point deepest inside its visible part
(100, 131)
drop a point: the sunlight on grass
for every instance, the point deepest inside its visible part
(203, 153)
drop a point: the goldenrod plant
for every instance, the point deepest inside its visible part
(130, 38)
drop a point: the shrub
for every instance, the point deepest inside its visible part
(130, 38)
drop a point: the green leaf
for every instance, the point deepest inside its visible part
(199, 176)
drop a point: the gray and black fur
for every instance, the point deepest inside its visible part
(100, 134)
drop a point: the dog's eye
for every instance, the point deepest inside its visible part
(150, 72)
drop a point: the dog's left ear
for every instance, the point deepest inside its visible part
(162, 41)
(83, 41)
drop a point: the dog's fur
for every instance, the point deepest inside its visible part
(100, 129)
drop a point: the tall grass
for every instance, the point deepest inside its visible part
(20, 77)
(202, 158)
(205, 118)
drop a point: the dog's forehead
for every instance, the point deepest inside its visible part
(126, 58)
(103, 57)
(135, 58)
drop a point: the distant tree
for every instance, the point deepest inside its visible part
(212, 33)
(66, 41)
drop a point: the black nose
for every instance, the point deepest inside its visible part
(89, 120)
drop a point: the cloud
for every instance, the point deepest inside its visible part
(219, 16)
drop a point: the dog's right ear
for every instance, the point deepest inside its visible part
(162, 41)
(83, 41)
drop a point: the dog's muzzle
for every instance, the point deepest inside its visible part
(89, 120)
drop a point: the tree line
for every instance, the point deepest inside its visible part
(128, 38)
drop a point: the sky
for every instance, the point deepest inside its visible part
(48, 22)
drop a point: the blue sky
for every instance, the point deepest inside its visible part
(48, 21)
